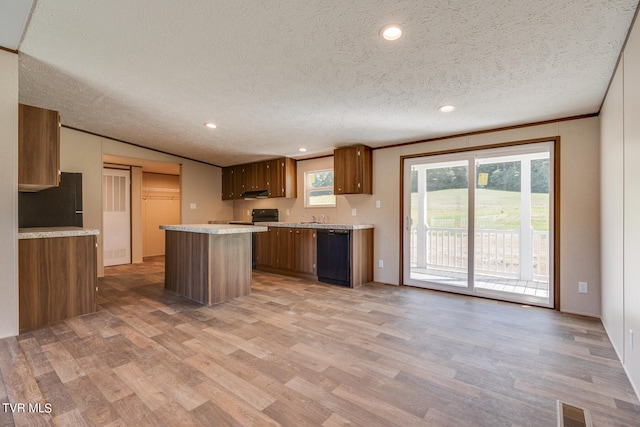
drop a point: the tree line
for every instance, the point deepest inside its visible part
(500, 176)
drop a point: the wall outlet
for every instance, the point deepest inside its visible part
(353, 212)
(248, 212)
(192, 206)
(288, 212)
(631, 339)
(380, 263)
(378, 204)
(582, 287)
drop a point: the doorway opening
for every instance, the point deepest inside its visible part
(151, 192)
(481, 223)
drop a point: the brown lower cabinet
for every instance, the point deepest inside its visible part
(305, 250)
(58, 279)
(293, 251)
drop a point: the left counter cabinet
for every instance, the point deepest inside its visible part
(58, 275)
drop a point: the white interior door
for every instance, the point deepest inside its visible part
(116, 216)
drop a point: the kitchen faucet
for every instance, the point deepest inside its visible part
(313, 219)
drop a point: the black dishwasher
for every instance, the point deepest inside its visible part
(334, 257)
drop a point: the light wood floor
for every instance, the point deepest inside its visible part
(301, 354)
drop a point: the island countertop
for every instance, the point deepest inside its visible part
(214, 228)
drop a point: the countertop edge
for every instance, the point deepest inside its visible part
(47, 233)
(318, 225)
(214, 228)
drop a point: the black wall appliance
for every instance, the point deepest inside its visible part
(334, 257)
(54, 207)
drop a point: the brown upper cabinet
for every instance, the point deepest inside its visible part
(38, 148)
(277, 177)
(352, 170)
(281, 177)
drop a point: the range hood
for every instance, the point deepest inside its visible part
(255, 194)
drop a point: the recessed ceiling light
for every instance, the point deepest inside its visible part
(302, 150)
(391, 32)
(211, 125)
(447, 108)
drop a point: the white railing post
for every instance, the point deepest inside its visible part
(421, 226)
(526, 231)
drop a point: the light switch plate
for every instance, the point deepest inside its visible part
(353, 212)
(192, 206)
(378, 204)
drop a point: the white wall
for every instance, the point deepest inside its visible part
(620, 155)
(620, 204)
(632, 204)
(200, 183)
(612, 206)
(579, 194)
(8, 194)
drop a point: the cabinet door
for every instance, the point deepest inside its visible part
(227, 183)
(238, 181)
(38, 148)
(305, 250)
(345, 174)
(262, 175)
(262, 247)
(267, 248)
(286, 248)
(353, 170)
(276, 178)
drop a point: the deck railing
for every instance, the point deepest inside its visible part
(497, 251)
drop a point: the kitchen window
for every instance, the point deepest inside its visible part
(318, 189)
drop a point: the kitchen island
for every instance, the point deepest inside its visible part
(208, 263)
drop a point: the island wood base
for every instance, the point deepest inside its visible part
(208, 268)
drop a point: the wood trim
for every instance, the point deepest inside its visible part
(6, 49)
(140, 146)
(482, 132)
(401, 230)
(556, 202)
(556, 223)
(324, 156)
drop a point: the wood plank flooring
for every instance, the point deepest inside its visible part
(297, 353)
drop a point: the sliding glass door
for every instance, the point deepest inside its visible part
(480, 222)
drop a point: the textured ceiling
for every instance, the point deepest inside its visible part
(281, 74)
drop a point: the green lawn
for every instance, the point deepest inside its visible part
(494, 209)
